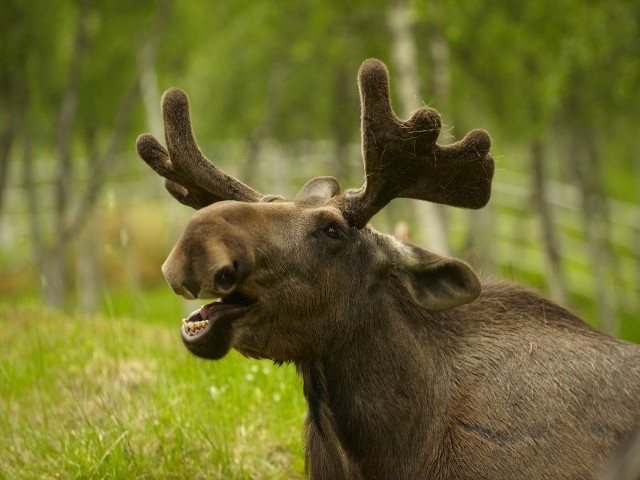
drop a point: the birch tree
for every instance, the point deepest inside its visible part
(401, 17)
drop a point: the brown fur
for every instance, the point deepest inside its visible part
(507, 386)
(510, 386)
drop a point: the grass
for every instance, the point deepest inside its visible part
(108, 397)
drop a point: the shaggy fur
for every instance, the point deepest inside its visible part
(510, 386)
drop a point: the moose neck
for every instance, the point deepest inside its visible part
(374, 382)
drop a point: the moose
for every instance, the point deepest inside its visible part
(412, 368)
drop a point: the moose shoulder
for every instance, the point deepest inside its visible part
(411, 367)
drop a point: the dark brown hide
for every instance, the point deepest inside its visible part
(507, 386)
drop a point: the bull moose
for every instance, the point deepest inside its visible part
(412, 367)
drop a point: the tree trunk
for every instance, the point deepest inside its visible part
(150, 91)
(148, 78)
(403, 53)
(480, 238)
(6, 142)
(88, 267)
(439, 60)
(555, 274)
(12, 123)
(600, 241)
(87, 258)
(341, 125)
(585, 163)
(32, 202)
(56, 273)
(260, 133)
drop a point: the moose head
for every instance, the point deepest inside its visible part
(295, 276)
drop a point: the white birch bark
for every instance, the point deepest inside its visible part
(405, 59)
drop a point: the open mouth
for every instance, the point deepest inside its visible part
(207, 332)
(199, 320)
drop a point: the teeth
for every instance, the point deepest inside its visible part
(194, 327)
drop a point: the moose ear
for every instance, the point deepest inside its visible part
(439, 283)
(319, 190)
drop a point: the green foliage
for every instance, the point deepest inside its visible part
(518, 68)
(230, 68)
(114, 42)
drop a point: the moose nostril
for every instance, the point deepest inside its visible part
(231, 275)
(242, 270)
(225, 278)
(192, 287)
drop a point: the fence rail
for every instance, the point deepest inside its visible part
(514, 229)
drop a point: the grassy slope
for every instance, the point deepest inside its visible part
(95, 397)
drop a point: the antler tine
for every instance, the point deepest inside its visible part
(189, 176)
(402, 159)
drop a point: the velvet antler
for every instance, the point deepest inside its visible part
(189, 176)
(402, 158)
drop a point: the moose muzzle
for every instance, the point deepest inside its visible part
(201, 268)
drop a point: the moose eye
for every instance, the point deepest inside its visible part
(335, 232)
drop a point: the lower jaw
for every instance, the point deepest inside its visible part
(214, 341)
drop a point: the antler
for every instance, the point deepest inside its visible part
(189, 176)
(402, 159)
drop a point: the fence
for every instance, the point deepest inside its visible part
(509, 231)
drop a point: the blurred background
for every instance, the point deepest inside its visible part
(85, 224)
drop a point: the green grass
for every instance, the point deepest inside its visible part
(110, 397)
